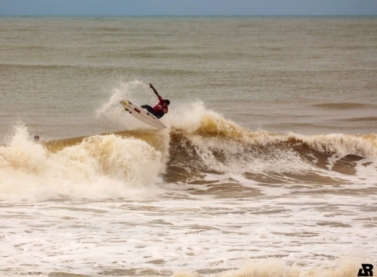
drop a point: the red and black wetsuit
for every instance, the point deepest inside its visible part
(159, 110)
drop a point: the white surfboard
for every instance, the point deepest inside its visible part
(142, 115)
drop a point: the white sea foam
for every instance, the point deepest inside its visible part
(98, 167)
(184, 236)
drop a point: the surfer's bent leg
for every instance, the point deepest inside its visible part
(148, 108)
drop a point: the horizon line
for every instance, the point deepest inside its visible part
(185, 16)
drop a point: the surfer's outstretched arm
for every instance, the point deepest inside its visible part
(154, 90)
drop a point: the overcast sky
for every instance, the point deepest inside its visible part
(186, 7)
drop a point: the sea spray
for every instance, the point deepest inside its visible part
(132, 91)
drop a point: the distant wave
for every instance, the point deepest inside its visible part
(344, 106)
(361, 119)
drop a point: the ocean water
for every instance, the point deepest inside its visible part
(268, 166)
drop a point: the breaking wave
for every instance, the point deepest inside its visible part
(113, 165)
(107, 166)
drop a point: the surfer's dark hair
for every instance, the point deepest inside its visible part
(167, 101)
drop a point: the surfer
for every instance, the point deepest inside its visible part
(162, 106)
